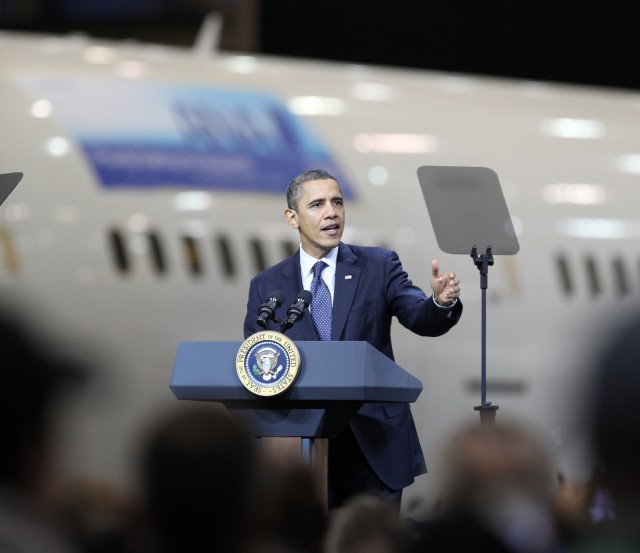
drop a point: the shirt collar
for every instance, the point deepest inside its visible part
(307, 262)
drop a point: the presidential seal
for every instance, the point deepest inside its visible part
(267, 363)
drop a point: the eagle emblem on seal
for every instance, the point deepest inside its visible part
(266, 366)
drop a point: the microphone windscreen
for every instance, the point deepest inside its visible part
(305, 296)
(277, 295)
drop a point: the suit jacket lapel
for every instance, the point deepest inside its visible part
(346, 284)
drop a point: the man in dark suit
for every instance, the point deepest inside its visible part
(379, 451)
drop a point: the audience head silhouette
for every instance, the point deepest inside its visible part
(197, 466)
(613, 417)
(614, 411)
(35, 378)
(498, 493)
(367, 524)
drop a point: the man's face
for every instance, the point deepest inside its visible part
(319, 217)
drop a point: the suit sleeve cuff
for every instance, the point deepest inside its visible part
(444, 307)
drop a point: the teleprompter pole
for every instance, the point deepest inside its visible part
(482, 262)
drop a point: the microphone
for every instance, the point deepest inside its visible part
(267, 310)
(297, 309)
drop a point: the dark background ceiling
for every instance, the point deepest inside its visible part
(594, 43)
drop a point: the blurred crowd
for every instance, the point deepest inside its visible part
(204, 483)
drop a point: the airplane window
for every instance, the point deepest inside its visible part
(498, 386)
(192, 255)
(593, 279)
(10, 258)
(620, 277)
(565, 277)
(157, 253)
(258, 255)
(224, 250)
(119, 251)
(288, 248)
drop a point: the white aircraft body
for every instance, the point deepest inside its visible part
(153, 191)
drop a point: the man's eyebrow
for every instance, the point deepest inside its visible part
(313, 200)
(322, 199)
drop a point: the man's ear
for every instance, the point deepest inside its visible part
(291, 217)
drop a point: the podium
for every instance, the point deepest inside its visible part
(335, 380)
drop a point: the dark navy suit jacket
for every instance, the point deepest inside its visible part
(371, 288)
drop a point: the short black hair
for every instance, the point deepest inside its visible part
(294, 190)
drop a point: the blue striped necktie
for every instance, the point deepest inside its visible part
(321, 302)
